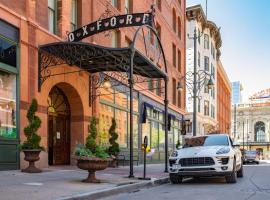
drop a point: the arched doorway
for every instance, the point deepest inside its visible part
(58, 128)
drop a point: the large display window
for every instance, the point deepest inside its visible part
(8, 105)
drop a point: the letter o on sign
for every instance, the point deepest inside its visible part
(113, 21)
(71, 37)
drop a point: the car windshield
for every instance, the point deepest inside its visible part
(212, 140)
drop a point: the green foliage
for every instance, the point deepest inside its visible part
(34, 123)
(91, 138)
(81, 150)
(100, 152)
(91, 149)
(114, 148)
(178, 144)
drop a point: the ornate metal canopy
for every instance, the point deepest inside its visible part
(94, 58)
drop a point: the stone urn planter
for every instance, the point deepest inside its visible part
(31, 156)
(92, 164)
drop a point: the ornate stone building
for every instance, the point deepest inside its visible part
(208, 53)
(253, 124)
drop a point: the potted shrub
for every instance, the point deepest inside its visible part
(31, 146)
(113, 150)
(91, 157)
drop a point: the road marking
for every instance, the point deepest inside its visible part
(34, 184)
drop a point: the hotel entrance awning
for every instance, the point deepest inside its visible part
(94, 58)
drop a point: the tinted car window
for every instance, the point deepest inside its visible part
(212, 140)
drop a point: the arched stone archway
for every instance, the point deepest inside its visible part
(65, 123)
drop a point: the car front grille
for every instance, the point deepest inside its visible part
(196, 161)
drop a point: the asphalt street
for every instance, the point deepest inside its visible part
(254, 185)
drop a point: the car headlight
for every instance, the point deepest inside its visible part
(174, 154)
(223, 150)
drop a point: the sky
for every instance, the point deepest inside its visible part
(245, 33)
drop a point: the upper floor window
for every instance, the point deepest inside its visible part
(260, 132)
(179, 28)
(174, 54)
(128, 6)
(158, 28)
(73, 16)
(199, 38)
(116, 4)
(116, 39)
(213, 71)
(159, 4)
(206, 108)
(174, 92)
(206, 63)
(179, 99)
(52, 16)
(179, 60)
(206, 41)
(174, 19)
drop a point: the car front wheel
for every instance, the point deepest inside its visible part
(240, 173)
(176, 179)
(232, 178)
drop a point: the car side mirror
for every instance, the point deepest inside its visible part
(236, 144)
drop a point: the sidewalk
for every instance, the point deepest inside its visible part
(64, 182)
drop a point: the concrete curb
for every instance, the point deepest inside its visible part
(117, 190)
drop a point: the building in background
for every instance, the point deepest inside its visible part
(64, 99)
(208, 53)
(237, 89)
(224, 92)
(253, 118)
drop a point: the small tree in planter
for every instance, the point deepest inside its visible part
(31, 146)
(91, 157)
(113, 150)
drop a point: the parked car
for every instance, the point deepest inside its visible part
(210, 155)
(251, 157)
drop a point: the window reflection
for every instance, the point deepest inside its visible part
(7, 105)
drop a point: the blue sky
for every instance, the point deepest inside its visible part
(245, 32)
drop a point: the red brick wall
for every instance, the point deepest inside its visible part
(223, 103)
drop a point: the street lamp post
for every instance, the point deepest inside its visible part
(195, 83)
(243, 135)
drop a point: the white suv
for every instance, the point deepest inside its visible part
(210, 155)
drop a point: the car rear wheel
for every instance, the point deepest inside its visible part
(176, 179)
(232, 178)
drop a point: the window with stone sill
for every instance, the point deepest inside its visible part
(116, 4)
(73, 15)
(128, 6)
(174, 20)
(52, 16)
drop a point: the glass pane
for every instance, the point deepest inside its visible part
(121, 118)
(170, 141)
(7, 105)
(51, 20)
(135, 130)
(8, 53)
(107, 94)
(161, 138)
(121, 99)
(74, 14)
(154, 136)
(51, 4)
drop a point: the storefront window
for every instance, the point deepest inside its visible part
(7, 105)
(8, 52)
(121, 118)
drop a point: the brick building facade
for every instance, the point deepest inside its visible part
(224, 93)
(25, 25)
